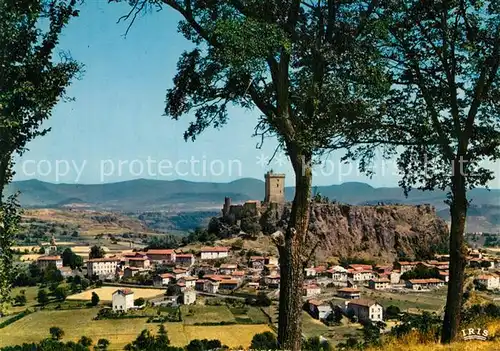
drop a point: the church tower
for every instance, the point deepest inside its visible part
(275, 188)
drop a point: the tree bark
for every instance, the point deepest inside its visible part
(291, 257)
(458, 211)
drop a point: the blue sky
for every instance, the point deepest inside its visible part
(115, 129)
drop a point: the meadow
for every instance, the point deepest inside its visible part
(216, 314)
(119, 332)
(106, 292)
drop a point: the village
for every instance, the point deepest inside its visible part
(354, 289)
(194, 287)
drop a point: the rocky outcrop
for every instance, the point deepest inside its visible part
(380, 233)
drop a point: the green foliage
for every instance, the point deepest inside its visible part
(264, 341)
(421, 272)
(316, 344)
(71, 259)
(15, 318)
(148, 342)
(85, 341)
(139, 302)
(164, 242)
(52, 275)
(61, 293)
(204, 345)
(102, 345)
(20, 299)
(392, 312)
(199, 235)
(32, 83)
(96, 252)
(428, 325)
(251, 225)
(42, 297)
(9, 221)
(56, 333)
(346, 261)
(95, 299)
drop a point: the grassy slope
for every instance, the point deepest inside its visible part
(88, 225)
(119, 332)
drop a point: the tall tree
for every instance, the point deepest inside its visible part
(444, 106)
(96, 252)
(32, 83)
(305, 65)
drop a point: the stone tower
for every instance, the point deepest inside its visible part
(227, 206)
(275, 188)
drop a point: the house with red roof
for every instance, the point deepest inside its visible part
(184, 259)
(349, 293)
(424, 284)
(311, 290)
(44, 262)
(161, 256)
(164, 279)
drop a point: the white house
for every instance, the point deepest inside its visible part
(184, 259)
(361, 275)
(379, 284)
(45, 261)
(102, 267)
(189, 297)
(337, 273)
(211, 286)
(366, 310)
(395, 277)
(179, 273)
(311, 290)
(421, 284)
(189, 282)
(228, 268)
(310, 272)
(349, 293)
(162, 279)
(213, 253)
(123, 300)
(490, 281)
(319, 310)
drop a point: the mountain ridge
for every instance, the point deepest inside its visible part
(183, 195)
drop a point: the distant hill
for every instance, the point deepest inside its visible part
(179, 195)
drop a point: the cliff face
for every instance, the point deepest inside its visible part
(380, 233)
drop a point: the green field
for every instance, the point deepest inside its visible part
(428, 301)
(119, 332)
(206, 314)
(30, 292)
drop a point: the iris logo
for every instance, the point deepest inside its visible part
(475, 334)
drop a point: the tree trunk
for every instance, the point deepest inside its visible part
(292, 260)
(458, 211)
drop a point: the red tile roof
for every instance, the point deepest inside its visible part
(255, 258)
(232, 282)
(362, 302)
(105, 259)
(349, 290)
(160, 252)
